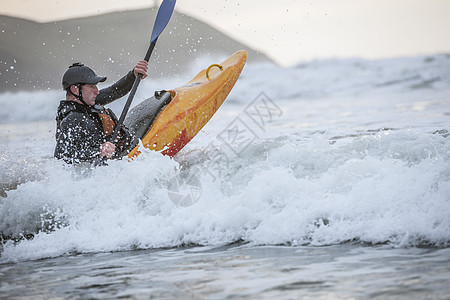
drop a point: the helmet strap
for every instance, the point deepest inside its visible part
(80, 94)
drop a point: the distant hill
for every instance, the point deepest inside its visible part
(35, 55)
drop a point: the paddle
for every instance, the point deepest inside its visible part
(162, 19)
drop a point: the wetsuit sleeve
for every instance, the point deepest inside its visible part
(77, 140)
(117, 90)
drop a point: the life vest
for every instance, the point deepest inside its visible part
(105, 124)
(108, 123)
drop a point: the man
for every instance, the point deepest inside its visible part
(83, 125)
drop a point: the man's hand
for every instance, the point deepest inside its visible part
(107, 149)
(142, 68)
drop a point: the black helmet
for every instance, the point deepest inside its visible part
(80, 74)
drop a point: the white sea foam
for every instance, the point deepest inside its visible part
(347, 151)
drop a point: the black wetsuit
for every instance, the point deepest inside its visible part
(79, 128)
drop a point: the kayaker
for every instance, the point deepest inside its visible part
(83, 124)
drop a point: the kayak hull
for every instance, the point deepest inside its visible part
(192, 106)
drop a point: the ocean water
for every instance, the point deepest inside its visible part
(326, 180)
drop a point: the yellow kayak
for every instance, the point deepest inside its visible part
(191, 106)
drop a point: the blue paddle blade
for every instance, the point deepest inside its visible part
(162, 18)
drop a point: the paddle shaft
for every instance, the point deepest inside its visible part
(162, 19)
(131, 96)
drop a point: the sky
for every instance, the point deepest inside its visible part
(290, 31)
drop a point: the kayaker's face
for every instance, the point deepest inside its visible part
(90, 92)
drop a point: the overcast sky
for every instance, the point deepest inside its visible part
(290, 31)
